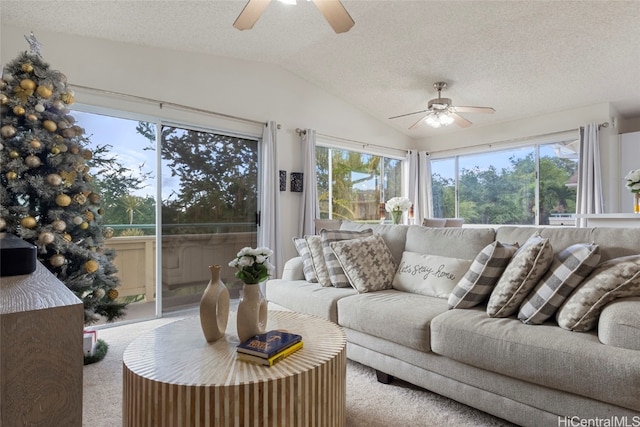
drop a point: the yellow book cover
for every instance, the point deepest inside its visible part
(273, 359)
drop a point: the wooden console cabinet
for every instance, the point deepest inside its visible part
(41, 358)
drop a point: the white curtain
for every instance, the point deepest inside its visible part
(589, 198)
(309, 209)
(426, 195)
(269, 231)
(414, 184)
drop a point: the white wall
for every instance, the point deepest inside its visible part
(249, 90)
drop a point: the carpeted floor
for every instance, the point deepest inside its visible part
(369, 403)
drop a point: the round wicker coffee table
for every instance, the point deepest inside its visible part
(173, 377)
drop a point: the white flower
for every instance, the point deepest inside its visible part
(252, 265)
(633, 181)
(397, 204)
(245, 261)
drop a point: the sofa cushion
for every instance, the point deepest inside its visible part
(483, 274)
(619, 324)
(612, 279)
(367, 263)
(394, 236)
(307, 298)
(567, 270)
(430, 275)
(336, 273)
(395, 316)
(526, 267)
(319, 264)
(447, 241)
(307, 262)
(545, 355)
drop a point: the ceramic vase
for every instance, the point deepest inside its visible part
(214, 307)
(636, 202)
(252, 312)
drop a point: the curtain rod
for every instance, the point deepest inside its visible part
(353, 141)
(514, 140)
(171, 104)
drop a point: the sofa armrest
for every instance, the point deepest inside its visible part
(293, 269)
(619, 324)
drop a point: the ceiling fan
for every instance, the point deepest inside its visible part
(441, 112)
(333, 11)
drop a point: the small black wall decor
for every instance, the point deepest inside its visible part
(296, 181)
(283, 180)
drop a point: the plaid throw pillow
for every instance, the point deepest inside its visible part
(307, 262)
(482, 276)
(317, 256)
(336, 273)
(568, 269)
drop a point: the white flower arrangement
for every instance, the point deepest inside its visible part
(633, 181)
(253, 265)
(397, 204)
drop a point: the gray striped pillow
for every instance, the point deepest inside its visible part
(307, 262)
(317, 255)
(336, 273)
(482, 276)
(568, 269)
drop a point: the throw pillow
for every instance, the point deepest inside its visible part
(568, 269)
(307, 262)
(612, 279)
(431, 275)
(317, 255)
(367, 263)
(336, 273)
(524, 270)
(483, 274)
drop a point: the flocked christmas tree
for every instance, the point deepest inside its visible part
(47, 197)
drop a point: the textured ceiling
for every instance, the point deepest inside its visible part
(523, 58)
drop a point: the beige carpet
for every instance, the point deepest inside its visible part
(369, 403)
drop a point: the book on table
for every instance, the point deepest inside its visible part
(273, 359)
(268, 344)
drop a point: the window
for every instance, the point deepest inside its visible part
(352, 185)
(533, 184)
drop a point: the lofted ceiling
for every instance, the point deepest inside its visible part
(523, 58)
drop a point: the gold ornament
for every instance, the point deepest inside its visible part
(74, 149)
(68, 133)
(63, 200)
(107, 232)
(87, 154)
(50, 125)
(7, 131)
(58, 105)
(55, 150)
(77, 220)
(80, 199)
(57, 260)
(32, 161)
(14, 154)
(4, 99)
(91, 266)
(84, 225)
(59, 225)
(68, 178)
(67, 98)
(54, 179)
(19, 110)
(32, 117)
(46, 237)
(39, 108)
(27, 84)
(63, 147)
(94, 198)
(27, 68)
(11, 175)
(89, 215)
(99, 293)
(3, 224)
(44, 91)
(28, 222)
(66, 237)
(112, 294)
(101, 211)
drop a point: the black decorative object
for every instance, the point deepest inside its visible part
(283, 180)
(296, 181)
(16, 256)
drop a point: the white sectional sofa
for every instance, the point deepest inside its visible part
(531, 375)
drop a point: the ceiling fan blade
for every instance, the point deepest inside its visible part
(250, 14)
(408, 114)
(419, 122)
(487, 110)
(335, 13)
(460, 121)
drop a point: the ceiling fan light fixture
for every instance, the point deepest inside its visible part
(439, 119)
(291, 2)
